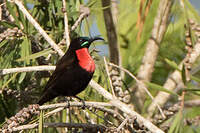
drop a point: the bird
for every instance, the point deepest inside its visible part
(73, 71)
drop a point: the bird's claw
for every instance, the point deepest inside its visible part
(83, 106)
(68, 103)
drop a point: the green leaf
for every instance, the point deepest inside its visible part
(91, 3)
(36, 55)
(25, 49)
(190, 89)
(7, 82)
(21, 18)
(12, 11)
(191, 10)
(195, 78)
(172, 64)
(177, 124)
(7, 24)
(183, 74)
(41, 121)
(159, 88)
(22, 76)
(64, 115)
(3, 43)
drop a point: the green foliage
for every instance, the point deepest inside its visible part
(159, 88)
(177, 124)
(31, 49)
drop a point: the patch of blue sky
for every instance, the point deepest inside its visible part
(196, 4)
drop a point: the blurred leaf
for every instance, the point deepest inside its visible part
(36, 55)
(7, 82)
(21, 78)
(25, 49)
(21, 18)
(172, 64)
(177, 124)
(12, 11)
(91, 3)
(183, 74)
(159, 88)
(190, 89)
(41, 121)
(8, 24)
(64, 115)
(192, 12)
(195, 78)
(192, 112)
(2, 43)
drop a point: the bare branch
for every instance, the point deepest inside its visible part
(66, 24)
(192, 103)
(37, 26)
(26, 69)
(69, 125)
(123, 107)
(114, 9)
(75, 104)
(107, 71)
(122, 124)
(84, 12)
(111, 33)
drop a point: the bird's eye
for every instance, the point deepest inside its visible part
(85, 43)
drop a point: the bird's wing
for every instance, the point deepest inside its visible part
(63, 65)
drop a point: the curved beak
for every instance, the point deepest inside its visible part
(94, 39)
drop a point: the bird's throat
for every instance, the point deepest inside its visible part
(85, 60)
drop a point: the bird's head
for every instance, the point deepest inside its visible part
(83, 42)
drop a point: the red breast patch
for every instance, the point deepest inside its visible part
(85, 60)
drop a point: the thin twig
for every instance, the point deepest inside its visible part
(54, 111)
(66, 24)
(107, 71)
(88, 117)
(76, 104)
(84, 12)
(182, 100)
(192, 103)
(69, 125)
(104, 118)
(142, 85)
(122, 124)
(37, 26)
(2, 4)
(26, 69)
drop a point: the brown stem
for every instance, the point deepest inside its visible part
(111, 33)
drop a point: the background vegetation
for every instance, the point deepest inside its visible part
(155, 40)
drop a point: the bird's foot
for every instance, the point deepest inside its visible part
(81, 100)
(83, 106)
(68, 103)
